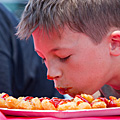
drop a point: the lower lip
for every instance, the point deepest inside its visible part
(63, 90)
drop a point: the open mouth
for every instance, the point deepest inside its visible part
(63, 90)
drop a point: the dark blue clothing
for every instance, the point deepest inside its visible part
(22, 72)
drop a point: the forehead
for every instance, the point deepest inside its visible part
(67, 38)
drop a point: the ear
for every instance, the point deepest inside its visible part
(115, 43)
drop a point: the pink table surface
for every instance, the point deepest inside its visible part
(3, 117)
(51, 118)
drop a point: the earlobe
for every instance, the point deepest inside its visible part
(115, 43)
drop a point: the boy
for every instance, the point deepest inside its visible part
(79, 41)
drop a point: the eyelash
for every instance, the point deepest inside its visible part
(65, 59)
(61, 59)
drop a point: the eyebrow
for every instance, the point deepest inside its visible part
(55, 49)
(59, 48)
(52, 50)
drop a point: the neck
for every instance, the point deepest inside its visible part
(115, 76)
(115, 83)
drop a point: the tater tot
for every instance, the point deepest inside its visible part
(47, 105)
(12, 103)
(67, 106)
(100, 104)
(37, 104)
(84, 105)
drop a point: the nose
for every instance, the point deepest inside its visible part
(53, 72)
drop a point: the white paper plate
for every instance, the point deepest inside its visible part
(62, 114)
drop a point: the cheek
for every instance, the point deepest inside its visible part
(88, 67)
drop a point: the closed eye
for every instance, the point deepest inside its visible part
(65, 58)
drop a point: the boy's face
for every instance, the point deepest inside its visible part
(74, 62)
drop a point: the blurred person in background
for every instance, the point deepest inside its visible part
(22, 72)
(15, 6)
